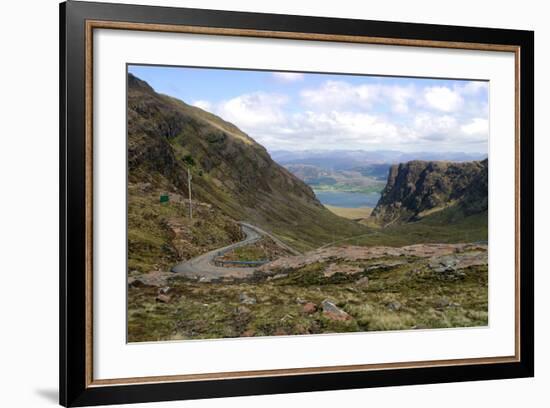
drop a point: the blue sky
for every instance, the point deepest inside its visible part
(303, 111)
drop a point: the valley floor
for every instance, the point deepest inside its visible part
(351, 213)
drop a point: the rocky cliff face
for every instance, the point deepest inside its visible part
(418, 189)
(229, 169)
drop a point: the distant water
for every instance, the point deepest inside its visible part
(347, 200)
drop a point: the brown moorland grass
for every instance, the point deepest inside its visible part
(350, 213)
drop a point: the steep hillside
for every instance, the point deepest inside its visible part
(420, 189)
(230, 171)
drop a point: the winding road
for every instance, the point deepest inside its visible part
(202, 266)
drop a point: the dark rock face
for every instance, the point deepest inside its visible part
(419, 188)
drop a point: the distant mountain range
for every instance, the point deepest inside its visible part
(355, 170)
(352, 159)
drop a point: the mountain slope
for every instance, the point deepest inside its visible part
(420, 189)
(230, 171)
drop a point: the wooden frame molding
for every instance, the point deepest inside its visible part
(114, 25)
(78, 22)
(288, 35)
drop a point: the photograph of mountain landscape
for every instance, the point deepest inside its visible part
(266, 203)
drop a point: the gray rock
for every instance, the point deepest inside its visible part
(442, 303)
(394, 306)
(363, 282)
(243, 310)
(444, 264)
(163, 298)
(333, 312)
(247, 300)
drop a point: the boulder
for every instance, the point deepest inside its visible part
(442, 303)
(135, 283)
(309, 308)
(333, 312)
(247, 300)
(444, 264)
(277, 276)
(163, 298)
(394, 306)
(243, 310)
(153, 278)
(363, 282)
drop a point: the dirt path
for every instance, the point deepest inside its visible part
(202, 266)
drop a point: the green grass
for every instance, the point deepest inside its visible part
(264, 249)
(153, 244)
(248, 253)
(443, 227)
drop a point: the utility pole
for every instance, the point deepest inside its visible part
(189, 188)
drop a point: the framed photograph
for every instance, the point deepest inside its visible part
(256, 204)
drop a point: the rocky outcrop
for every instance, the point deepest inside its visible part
(418, 188)
(463, 255)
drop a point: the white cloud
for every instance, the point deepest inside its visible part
(400, 97)
(341, 115)
(361, 127)
(253, 110)
(443, 98)
(473, 87)
(339, 94)
(338, 130)
(476, 127)
(288, 76)
(434, 127)
(205, 105)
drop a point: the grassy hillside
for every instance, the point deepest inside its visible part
(162, 234)
(230, 171)
(447, 226)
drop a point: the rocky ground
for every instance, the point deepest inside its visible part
(335, 289)
(161, 234)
